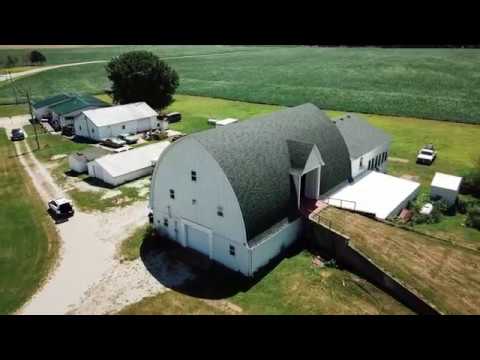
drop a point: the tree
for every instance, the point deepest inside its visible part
(142, 76)
(11, 61)
(36, 57)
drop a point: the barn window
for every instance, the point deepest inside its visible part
(79, 128)
(194, 201)
(220, 211)
(361, 162)
(165, 222)
(123, 127)
(232, 250)
(172, 194)
(93, 130)
(194, 175)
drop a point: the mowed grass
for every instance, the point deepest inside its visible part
(28, 240)
(51, 145)
(438, 84)
(13, 110)
(197, 110)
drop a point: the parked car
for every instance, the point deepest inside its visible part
(426, 155)
(113, 142)
(174, 117)
(128, 138)
(17, 134)
(60, 208)
(68, 130)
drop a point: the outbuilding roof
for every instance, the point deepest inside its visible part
(51, 100)
(132, 160)
(120, 113)
(446, 181)
(359, 135)
(256, 158)
(76, 103)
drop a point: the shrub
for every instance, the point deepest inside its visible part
(473, 217)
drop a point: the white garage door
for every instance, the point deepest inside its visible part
(198, 240)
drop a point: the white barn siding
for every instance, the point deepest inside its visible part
(358, 170)
(275, 244)
(212, 189)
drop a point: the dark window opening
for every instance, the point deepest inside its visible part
(220, 211)
(165, 222)
(232, 250)
(194, 175)
(194, 201)
(172, 194)
(123, 127)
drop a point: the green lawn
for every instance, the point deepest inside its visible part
(28, 239)
(197, 110)
(130, 247)
(12, 110)
(51, 145)
(438, 84)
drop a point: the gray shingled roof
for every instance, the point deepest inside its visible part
(299, 153)
(255, 157)
(359, 135)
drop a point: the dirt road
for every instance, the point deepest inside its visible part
(45, 68)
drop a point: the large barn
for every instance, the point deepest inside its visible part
(233, 193)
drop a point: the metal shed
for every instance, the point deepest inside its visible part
(446, 187)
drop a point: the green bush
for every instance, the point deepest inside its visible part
(473, 217)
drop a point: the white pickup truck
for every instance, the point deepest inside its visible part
(426, 155)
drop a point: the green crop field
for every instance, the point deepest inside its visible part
(438, 84)
(28, 240)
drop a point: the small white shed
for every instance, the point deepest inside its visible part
(446, 187)
(78, 160)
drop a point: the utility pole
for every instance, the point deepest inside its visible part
(33, 120)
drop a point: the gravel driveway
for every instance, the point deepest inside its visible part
(89, 243)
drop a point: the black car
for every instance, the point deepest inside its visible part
(174, 117)
(18, 134)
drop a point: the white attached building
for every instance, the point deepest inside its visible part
(108, 122)
(446, 187)
(367, 145)
(116, 169)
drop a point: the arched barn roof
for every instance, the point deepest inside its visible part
(255, 157)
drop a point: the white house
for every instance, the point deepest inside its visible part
(108, 122)
(116, 169)
(446, 187)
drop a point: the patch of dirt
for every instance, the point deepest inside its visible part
(58, 157)
(411, 177)
(111, 194)
(399, 160)
(129, 282)
(139, 184)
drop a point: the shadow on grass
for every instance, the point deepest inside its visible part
(211, 280)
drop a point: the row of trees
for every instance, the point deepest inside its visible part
(34, 57)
